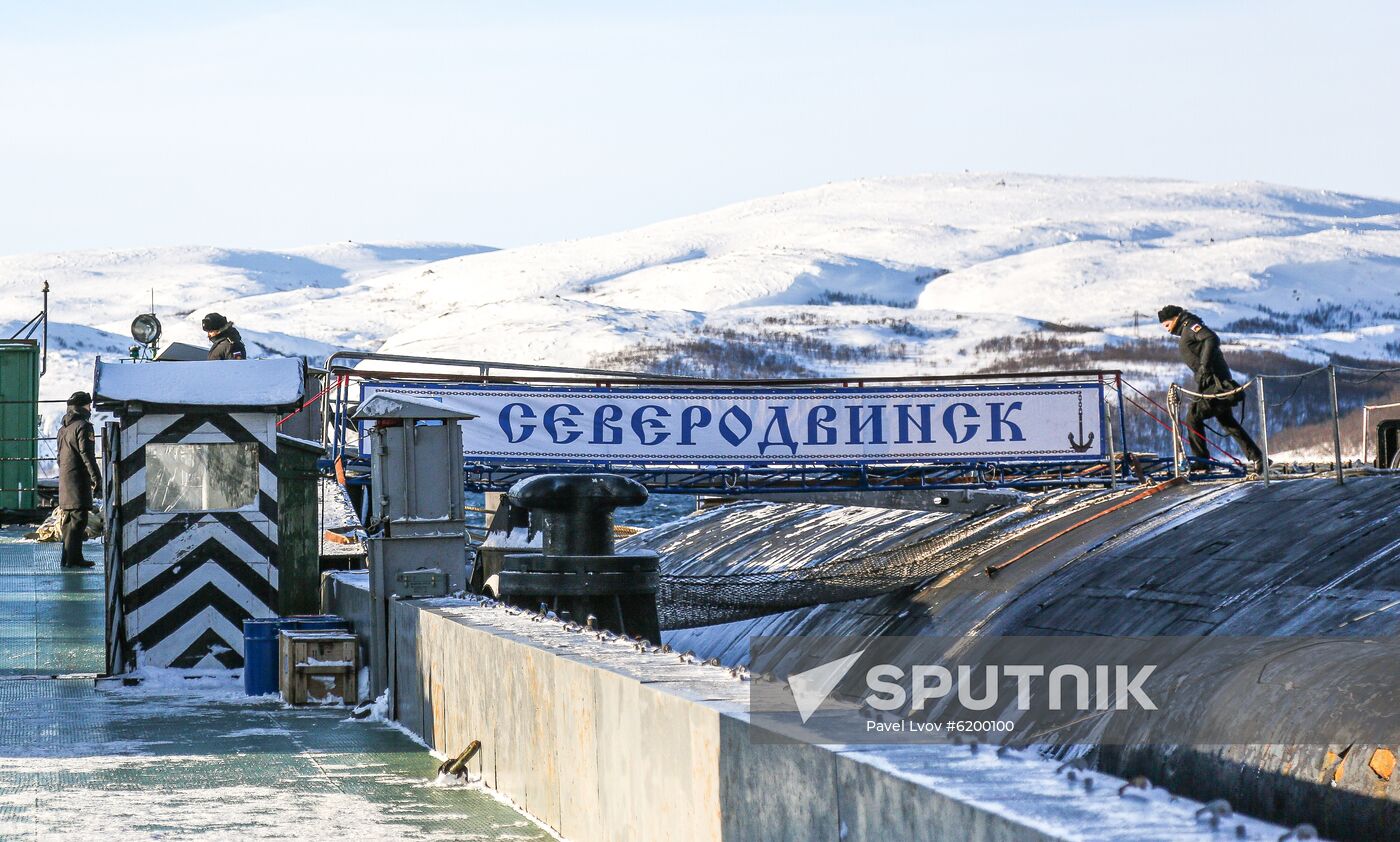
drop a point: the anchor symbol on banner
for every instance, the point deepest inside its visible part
(1083, 444)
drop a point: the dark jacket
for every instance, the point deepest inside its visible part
(78, 476)
(1200, 350)
(228, 345)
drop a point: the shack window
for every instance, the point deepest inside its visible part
(201, 477)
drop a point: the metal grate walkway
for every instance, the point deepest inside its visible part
(178, 758)
(50, 619)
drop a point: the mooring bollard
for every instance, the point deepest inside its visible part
(579, 569)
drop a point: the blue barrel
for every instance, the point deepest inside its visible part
(318, 622)
(260, 655)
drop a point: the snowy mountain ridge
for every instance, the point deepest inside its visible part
(923, 274)
(954, 260)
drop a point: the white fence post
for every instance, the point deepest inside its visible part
(1263, 427)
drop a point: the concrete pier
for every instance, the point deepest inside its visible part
(601, 741)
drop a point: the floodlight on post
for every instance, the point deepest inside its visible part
(145, 329)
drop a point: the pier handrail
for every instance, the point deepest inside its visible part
(486, 366)
(1258, 382)
(343, 366)
(1366, 426)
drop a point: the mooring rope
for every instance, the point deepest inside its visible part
(1216, 395)
(1178, 421)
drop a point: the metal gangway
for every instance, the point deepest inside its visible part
(1113, 461)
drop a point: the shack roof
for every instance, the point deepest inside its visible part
(406, 406)
(243, 383)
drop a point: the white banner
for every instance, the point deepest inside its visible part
(727, 426)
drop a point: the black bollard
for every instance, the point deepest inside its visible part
(580, 509)
(580, 570)
(508, 534)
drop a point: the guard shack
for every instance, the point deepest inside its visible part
(192, 507)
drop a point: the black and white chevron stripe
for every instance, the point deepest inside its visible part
(185, 582)
(115, 621)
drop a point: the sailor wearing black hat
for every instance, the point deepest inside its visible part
(78, 478)
(228, 343)
(1200, 350)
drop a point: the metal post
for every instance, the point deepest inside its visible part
(342, 411)
(1173, 408)
(44, 366)
(1365, 433)
(1112, 462)
(1123, 424)
(1336, 421)
(1263, 427)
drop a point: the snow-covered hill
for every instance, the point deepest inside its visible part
(935, 265)
(95, 294)
(936, 273)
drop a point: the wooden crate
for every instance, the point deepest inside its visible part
(318, 667)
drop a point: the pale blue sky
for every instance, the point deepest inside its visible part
(277, 124)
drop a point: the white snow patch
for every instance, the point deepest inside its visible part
(273, 382)
(519, 538)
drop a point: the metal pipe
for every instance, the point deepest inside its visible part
(44, 366)
(1122, 419)
(486, 365)
(342, 411)
(1263, 427)
(482, 365)
(632, 381)
(1336, 421)
(1112, 461)
(27, 329)
(1365, 432)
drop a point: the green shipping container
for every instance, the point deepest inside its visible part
(19, 424)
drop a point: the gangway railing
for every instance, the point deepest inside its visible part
(1366, 411)
(369, 369)
(1258, 385)
(1122, 463)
